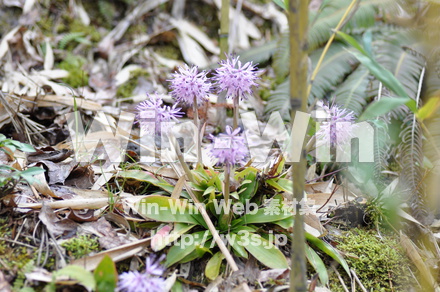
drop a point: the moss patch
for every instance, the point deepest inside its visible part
(380, 263)
(74, 65)
(126, 89)
(80, 246)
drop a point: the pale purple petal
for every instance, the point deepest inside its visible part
(337, 129)
(152, 112)
(235, 79)
(229, 148)
(135, 281)
(153, 266)
(187, 84)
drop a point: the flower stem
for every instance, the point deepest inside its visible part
(226, 217)
(199, 135)
(235, 112)
(226, 184)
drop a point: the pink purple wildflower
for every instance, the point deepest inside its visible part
(153, 112)
(229, 148)
(188, 84)
(135, 281)
(234, 78)
(337, 129)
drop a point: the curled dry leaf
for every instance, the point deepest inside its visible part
(54, 224)
(81, 177)
(48, 154)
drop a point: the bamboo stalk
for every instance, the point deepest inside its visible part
(199, 134)
(298, 22)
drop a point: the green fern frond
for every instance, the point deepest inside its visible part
(281, 58)
(404, 64)
(411, 161)
(279, 101)
(260, 54)
(336, 65)
(329, 17)
(70, 37)
(354, 93)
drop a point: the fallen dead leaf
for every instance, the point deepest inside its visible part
(55, 225)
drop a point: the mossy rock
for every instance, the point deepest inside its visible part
(379, 261)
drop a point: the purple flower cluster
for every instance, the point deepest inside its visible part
(153, 112)
(187, 84)
(337, 130)
(229, 148)
(234, 78)
(149, 280)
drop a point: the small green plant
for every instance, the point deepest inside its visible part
(80, 246)
(9, 176)
(13, 145)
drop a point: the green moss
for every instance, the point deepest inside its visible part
(169, 51)
(74, 65)
(80, 246)
(17, 260)
(380, 263)
(126, 89)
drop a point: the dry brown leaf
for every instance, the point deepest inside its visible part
(69, 100)
(81, 177)
(117, 254)
(55, 225)
(192, 52)
(4, 285)
(194, 32)
(413, 254)
(48, 58)
(48, 154)
(40, 184)
(270, 274)
(4, 45)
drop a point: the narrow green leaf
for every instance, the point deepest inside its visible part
(265, 215)
(167, 209)
(317, 263)
(281, 184)
(79, 274)
(429, 108)
(263, 250)
(329, 250)
(353, 42)
(281, 3)
(383, 106)
(240, 250)
(179, 229)
(376, 69)
(26, 148)
(213, 266)
(185, 246)
(32, 171)
(382, 74)
(106, 276)
(367, 40)
(145, 176)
